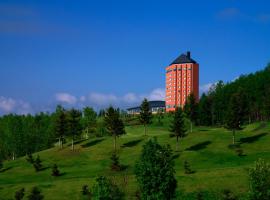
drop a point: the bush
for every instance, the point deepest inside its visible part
(187, 168)
(19, 194)
(55, 171)
(85, 190)
(155, 172)
(228, 195)
(29, 158)
(259, 177)
(35, 194)
(105, 189)
(37, 164)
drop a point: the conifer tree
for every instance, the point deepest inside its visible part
(19, 194)
(191, 109)
(74, 125)
(145, 114)
(55, 170)
(60, 125)
(178, 126)
(114, 124)
(37, 164)
(30, 158)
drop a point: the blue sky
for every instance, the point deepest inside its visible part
(101, 52)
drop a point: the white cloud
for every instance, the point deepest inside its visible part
(206, 87)
(157, 94)
(102, 99)
(66, 98)
(9, 105)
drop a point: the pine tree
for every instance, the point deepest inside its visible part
(145, 114)
(37, 164)
(234, 114)
(115, 162)
(89, 120)
(204, 109)
(60, 125)
(178, 126)
(114, 124)
(55, 170)
(74, 126)
(35, 194)
(191, 109)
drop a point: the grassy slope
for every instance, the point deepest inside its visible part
(217, 167)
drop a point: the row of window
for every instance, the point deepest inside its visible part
(180, 69)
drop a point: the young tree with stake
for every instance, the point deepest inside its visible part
(145, 114)
(114, 124)
(178, 126)
(191, 109)
(74, 126)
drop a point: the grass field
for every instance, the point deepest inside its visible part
(216, 166)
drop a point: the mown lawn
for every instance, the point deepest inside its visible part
(216, 166)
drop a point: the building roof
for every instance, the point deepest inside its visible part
(183, 58)
(152, 104)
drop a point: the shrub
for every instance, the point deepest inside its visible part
(85, 190)
(259, 177)
(155, 172)
(35, 194)
(37, 164)
(228, 195)
(105, 189)
(55, 170)
(187, 168)
(19, 194)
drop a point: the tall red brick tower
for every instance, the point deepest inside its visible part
(182, 79)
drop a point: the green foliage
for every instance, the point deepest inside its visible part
(37, 164)
(178, 125)
(35, 194)
(19, 194)
(29, 158)
(55, 170)
(155, 172)
(105, 189)
(187, 168)
(74, 124)
(85, 190)
(204, 110)
(145, 114)
(259, 177)
(191, 109)
(89, 120)
(228, 195)
(60, 124)
(114, 124)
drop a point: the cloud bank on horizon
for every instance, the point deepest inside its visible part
(93, 99)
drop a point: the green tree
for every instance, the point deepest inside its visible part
(234, 114)
(60, 125)
(204, 109)
(145, 114)
(114, 124)
(89, 120)
(35, 194)
(155, 172)
(105, 189)
(74, 125)
(259, 177)
(178, 126)
(191, 109)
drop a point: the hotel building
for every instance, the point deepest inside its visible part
(182, 79)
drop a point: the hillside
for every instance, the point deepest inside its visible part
(216, 166)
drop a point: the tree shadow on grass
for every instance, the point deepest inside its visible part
(175, 156)
(92, 143)
(253, 138)
(77, 142)
(5, 169)
(199, 146)
(131, 143)
(44, 168)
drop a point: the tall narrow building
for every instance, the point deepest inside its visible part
(182, 79)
